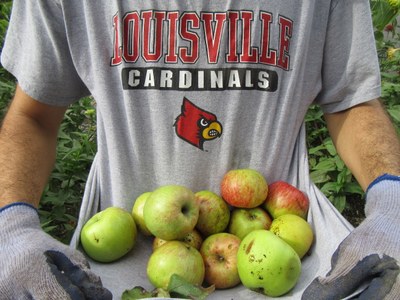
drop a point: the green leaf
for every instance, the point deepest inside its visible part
(139, 292)
(326, 165)
(330, 147)
(353, 188)
(319, 176)
(182, 288)
(395, 112)
(330, 187)
(339, 202)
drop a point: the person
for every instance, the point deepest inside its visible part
(186, 91)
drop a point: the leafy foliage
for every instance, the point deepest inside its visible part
(76, 148)
(6, 80)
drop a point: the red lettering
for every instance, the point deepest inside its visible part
(232, 55)
(116, 59)
(285, 28)
(267, 56)
(189, 54)
(131, 37)
(213, 37)
(249, 54)
(172, 18)
(147, 16)
(172, 36)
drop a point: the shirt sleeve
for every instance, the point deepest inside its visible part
(36, 52)
(350, 71)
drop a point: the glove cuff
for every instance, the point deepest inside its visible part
(16, 204)
(16, 217)
(383, 196)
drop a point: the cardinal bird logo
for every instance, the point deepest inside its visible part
(195, 125)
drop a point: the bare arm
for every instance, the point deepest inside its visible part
(28, 139)
(366, 141)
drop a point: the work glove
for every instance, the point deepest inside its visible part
(370, 254)
(33, 265)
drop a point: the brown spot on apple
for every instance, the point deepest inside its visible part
(249, 246)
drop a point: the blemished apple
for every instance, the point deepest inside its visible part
(219, 252)
(193, 238)
(295, 231)
(245, 220)
(175, 257)
(284, 198)
(137, 213)
(214, 213)
(244, 188)
(171, 212)
(267, 264)
(157, 243)
(109, 234)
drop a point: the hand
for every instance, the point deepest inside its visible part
(33, 265)
(370, 254)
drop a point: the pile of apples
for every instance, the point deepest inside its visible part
(253, 233)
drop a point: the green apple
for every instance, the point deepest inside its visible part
(109, 234)
(267, 264)
(193, 238)
(171, 212)
(245, 188)
(245, 220)
(137, 213)
(295, 231)
(219, 252)
(175, 257)
(214, 213)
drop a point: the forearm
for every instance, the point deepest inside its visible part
(366, 141)
(27, 150)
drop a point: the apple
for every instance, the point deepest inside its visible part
(171, 212)
(267, 264)
(109, 234)
(193, 238)
(214, 213)
(137, 213)
(219, 252)
(295, 231)
(283, 198)
(175, 257)
(244, 188)
(245, 220)
(157, 242)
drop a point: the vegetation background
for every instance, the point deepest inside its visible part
(77, 139)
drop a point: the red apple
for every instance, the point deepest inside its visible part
(214, 213)
(245, 188)
(283, 198)
(219, 252)
(245, 220)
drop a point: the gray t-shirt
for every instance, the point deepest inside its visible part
(186, 90)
